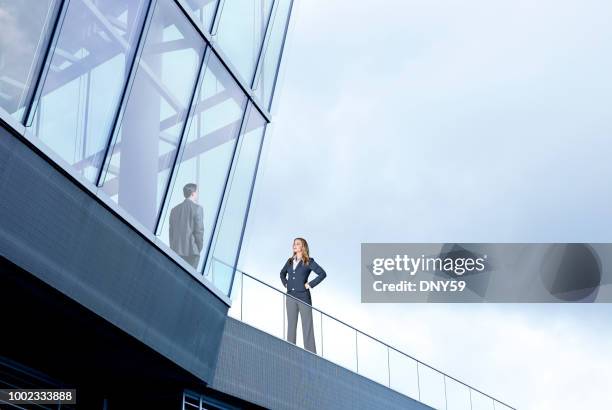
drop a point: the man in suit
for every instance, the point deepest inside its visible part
(187, 227)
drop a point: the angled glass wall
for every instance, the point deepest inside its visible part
(241, 31)
(272, 53)
(203, 11)
(228, 234)
(206, 157)
(155, 115)
(25, 28)
(135, 98)
(85, 80)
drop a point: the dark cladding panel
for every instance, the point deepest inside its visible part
(53, 229)
(270, 372)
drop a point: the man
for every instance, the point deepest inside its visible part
(187, 227)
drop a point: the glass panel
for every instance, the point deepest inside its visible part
(432, 387)
(481, 402)
(317, 318)
(403, 370)
(203, 11)
(83, 87)
(339, 343)
(262, 307)
(499, 406)
(25, 26)
(235, 310)
(155, 114)
(373, 360)
(272, 53)
(241, 30)
(220, 272)
(458, 395)
(205, 160)
(232, 217)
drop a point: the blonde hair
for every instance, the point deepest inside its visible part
(305, 251)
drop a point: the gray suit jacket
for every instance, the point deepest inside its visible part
(187, 228)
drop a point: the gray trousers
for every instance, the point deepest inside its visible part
(293, 308)
(193, 260)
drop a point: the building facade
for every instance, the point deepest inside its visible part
(109, 108)
(117, 119)
(136, 98)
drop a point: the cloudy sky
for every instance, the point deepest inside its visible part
(446, 121)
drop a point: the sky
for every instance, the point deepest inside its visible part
(443, 121)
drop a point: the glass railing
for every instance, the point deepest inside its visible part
(263, 306)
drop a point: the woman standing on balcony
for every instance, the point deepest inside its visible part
(294, 276)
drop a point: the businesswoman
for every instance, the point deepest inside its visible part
(294, 276)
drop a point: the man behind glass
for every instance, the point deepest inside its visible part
(187, 227)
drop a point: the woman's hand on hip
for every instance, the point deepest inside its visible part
(306, 285)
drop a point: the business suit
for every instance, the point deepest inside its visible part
(294, 280)
(187, 231)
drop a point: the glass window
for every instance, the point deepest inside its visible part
(155, 115)
(241, 30)
(25, 27)
(205, 162)
(83, 87)
(204, 11)
(272, 53)
(235, 205)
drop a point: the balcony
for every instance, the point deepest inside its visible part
(397, 375)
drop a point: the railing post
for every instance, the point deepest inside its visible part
(389, 365)
(356, 351)
(284, 300)
(445, 394)
(322, 343)
(241, 294)
(470, 390)
(418, 381)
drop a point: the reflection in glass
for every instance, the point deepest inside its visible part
(204, 11)
(225, 244)
(272, 53)
(83, 87)
(241, 30)
(207, 155)
(24, 25)
(155, 115)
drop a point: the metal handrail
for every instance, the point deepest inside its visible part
(364, 334)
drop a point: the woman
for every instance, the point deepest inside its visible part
(294, 276)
